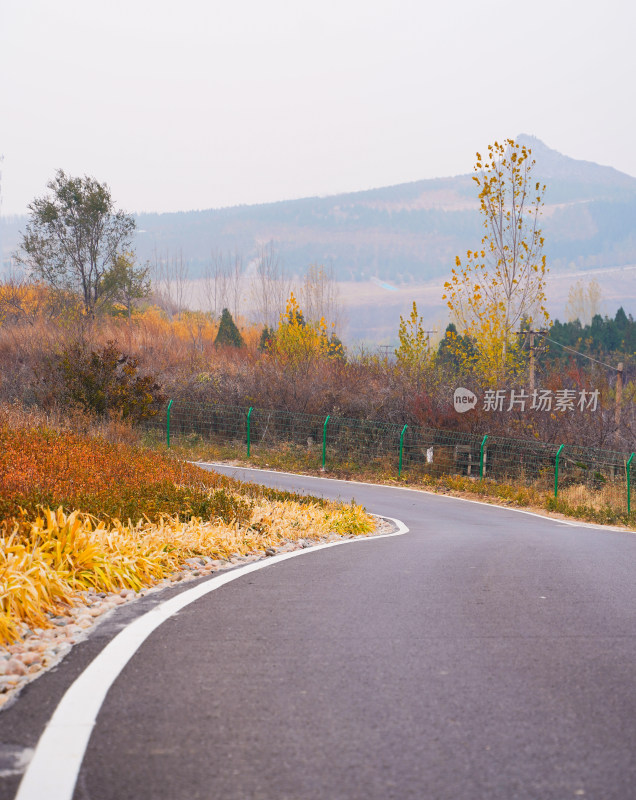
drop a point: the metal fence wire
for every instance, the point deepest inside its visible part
(580, 473)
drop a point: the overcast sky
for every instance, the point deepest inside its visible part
(198, 103)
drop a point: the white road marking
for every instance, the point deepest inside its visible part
(53, 770)
(570, 523)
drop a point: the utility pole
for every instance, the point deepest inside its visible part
(619, 398)
(428, 337)
(533, 352)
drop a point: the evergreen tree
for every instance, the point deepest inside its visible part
(228, 335)
(599, 333)
(620, 320)
(455, 350)
(267, 337)
(603, 335)
(336, 348)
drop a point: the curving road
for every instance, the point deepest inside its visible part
(487, 653)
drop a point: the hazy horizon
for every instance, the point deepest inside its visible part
(209, 105)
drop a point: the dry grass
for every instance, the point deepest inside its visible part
(47, 562)
(608, 496)
(70, 420)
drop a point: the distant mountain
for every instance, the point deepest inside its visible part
(405, 233)
(570, 180)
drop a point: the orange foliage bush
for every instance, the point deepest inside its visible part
(41, 466)
(45, 467)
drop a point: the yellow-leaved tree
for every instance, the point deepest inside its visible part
(414, 353)
(297, 341)
(501, 285)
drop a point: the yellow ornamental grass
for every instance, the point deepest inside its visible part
(46, 562)
(29, 588)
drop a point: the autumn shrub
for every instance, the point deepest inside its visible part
(107, 380)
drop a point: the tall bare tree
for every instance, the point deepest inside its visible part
(583, 302)
(170, 278)
(215, 284)
(270, 286)
(235, 282)
(320, 296)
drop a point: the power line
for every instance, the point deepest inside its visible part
(576, 352)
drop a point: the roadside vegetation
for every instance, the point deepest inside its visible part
(127, 368)
(90, 511)
(94, 329)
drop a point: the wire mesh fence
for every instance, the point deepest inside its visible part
(582, 475)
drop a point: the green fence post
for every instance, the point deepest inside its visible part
(628, 467)
(249, 414)
(168, 423)
(556, 471)
(401, 449)
(481, 456)
(324, 441)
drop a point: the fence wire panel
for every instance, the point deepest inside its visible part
(356, 443)
(433, 452)
(192, 423)
(580, 475)
(272, 428)
(524, 462)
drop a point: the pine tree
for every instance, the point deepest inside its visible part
(267, 337)
(456, 351)
(228, 335)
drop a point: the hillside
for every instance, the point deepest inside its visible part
(405, 233)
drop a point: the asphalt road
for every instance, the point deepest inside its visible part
(487, 653)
